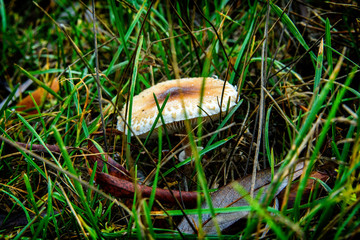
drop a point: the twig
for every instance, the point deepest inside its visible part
(97, 77)
(262, 102)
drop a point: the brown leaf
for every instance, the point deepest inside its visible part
(39, 96)
(8, 149)
(311, 184)
(227, 196)
(114, 168)
(125, 189)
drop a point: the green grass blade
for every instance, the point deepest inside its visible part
(22, 207)
(9, 98)
(292, 28)
(41, 84)
(30, 194)
(118, 22)
(78, 186)
(28, 158)
(226, 119)
(3, 16)
(329, 56)
(131, 96)
(293, 153)
(319, 144)
(319, 64)
(243, 49)
(32, 130)
(201, 153)
(127, 36)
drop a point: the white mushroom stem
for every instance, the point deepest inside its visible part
(183, 156)
(187, 152)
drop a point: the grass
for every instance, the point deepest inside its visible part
(295, 67)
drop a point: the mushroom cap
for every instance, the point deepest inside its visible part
(145, 111)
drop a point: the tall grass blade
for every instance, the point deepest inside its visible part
(292, 28)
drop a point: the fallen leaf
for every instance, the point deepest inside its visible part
(121, 188)
(114, 168)
(311, 184)
(34, 147)
(39, 95)
(227, 196)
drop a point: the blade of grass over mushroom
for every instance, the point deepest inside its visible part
(206, 70)
(226, 119)
(131, 96)
(160, 110)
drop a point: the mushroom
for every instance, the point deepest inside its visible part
(185, 95)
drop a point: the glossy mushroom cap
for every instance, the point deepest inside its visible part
(145, 111)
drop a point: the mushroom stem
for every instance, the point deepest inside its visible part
(185, 143)
(187, 150)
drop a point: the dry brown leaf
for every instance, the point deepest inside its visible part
(114, 168)
(310, 185)
(121, 188)
(39, 96)
(227, 196)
